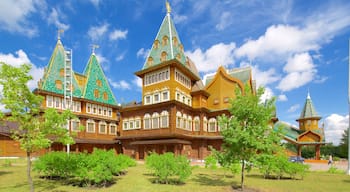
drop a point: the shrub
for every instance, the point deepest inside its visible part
(211, 162)
(334, 170)
(167, 166)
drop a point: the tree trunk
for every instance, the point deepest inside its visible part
(242, 176)
(29, 168)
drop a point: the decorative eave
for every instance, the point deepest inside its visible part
(200, 92)
(172, 63)
(221, 70)
(309, 118)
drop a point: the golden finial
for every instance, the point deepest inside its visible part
(167, 5)
(94, 46)
(59, 31)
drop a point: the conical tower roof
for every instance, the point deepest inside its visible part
(97, 87)
(167, 44)
(309, 110)
(54, 73)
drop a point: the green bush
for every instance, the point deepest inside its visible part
(278, 165)
(85, 169)
(334, 170)
(211, 162)
(166, 167)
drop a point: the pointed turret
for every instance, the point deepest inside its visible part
(54, 74)
(167, 44)
(309, 118)
(97, 87)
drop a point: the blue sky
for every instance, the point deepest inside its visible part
(292, 46)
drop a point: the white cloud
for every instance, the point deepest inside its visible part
(264, 77)
(95, 2)
(210, 59)
(293, 108)
(335, 125)
(14, 16)
(142, 53)
(224, 21)
(300, 71)
(282, 97)
(96, 32)
(120, 57)
(179, 18)
(138, 82)
(53, 18)
(268, 94)
(20, 58)
(120, 84)
(104, 62)
(118, 34)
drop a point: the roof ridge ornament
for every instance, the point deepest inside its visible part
(94, 46)
(59, 32)
(168, 8)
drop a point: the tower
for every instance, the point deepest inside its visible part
(308, 120)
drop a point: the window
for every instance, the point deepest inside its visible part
(104, 111)
(164, 119)
(96, 93)
(137, 123)
(150, 61)
(77, 106)
(125, 124)
(205, 124)
(112, 129)
(183, 79)
(196, 124)
(156, 44)
(90, 126)
(100, 110)
(75, 124)
(102, 127)
(58, 84)
(147, 121)
(99, 83)
(183, 122)
(148, 99)
(212, 125)
(94, 109)
(156, 76)
(175, 41)
(178, 119)
(57, 102)
(156, 98)
(155, 121)
(216, 101)
(226, 99)
(88, 108)
(49, 101)
(131, 124)
(109, 112)
(164, 40)
(105, 96)
(61, 72)
(308, 122)
(165, 95)
(189, 123)
(163, 56)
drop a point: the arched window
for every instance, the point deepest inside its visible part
(163, 56)
(99, 83)
(189, 123)
(155, 121)
(96, 93)
(147, 121)
(178, 119)
(156, 44)
(196, 123)
(61, 72)
(165, 40)
(131, 123)
(58, 84)
(150, 61)
(178, 57)
(90, 126)
(205, 124)
(105, 96)
(212, 125)
(164, 119)
(75, 123)
(102, 127)
(184, 122)
(175, 41)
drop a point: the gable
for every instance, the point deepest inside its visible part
(97, 87)
(309, 136)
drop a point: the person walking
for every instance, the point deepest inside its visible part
(330, 160)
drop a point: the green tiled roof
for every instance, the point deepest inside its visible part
(172, 50)
(52, 73)
(309, 109)
(93, 73)
(288, 130)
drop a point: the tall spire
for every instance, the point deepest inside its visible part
(167, 44)
(59, 32)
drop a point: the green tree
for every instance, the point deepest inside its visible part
(247, 133)
(35, 130)
(344, 144)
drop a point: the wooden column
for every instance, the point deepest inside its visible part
(299, 150)
(318, 152)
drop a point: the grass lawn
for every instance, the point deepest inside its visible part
(13, 179)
